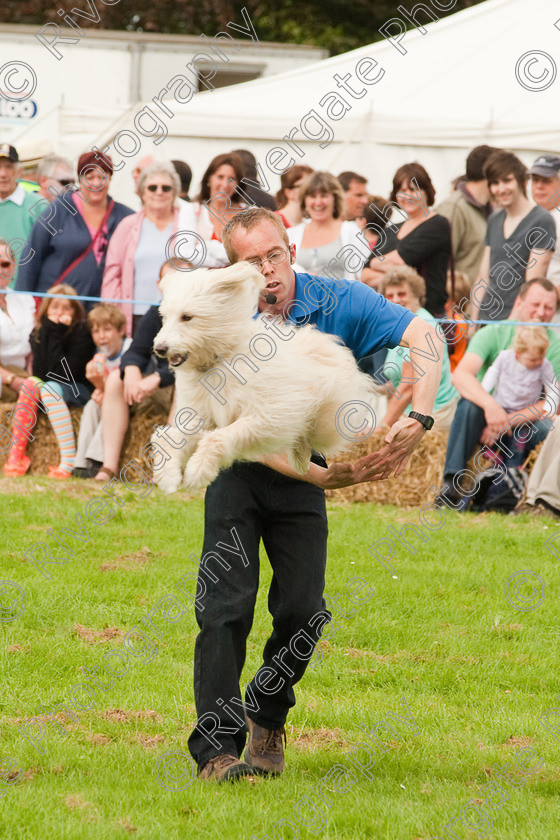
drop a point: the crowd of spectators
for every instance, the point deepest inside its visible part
(488, 252)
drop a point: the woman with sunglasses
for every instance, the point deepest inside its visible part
(138, 247)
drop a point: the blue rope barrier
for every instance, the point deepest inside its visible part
(157, 303)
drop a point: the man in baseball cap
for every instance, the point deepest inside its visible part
(16, 220)
(545, 189)
(7, 151)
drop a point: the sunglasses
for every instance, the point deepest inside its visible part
(65, 182)
(6, 264)
(166, 188)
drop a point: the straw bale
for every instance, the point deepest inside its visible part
(412, 487)
(43, 450)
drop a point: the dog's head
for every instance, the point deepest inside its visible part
(205, 313)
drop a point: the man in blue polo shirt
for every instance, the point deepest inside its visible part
(269, 501)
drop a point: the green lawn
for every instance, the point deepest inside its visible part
(476, 675)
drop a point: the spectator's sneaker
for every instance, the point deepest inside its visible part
(264, 751)
(224, 768)
(449, 498)
(15, 467)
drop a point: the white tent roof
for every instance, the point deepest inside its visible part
(455, 87)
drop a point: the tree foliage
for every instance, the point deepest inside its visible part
(336, 25)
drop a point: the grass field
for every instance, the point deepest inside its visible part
(476, 675)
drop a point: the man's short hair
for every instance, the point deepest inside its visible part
(48, 164)
(543, 282)
(323, 182)
(107, 313)
(502, 164)
(401, 275)
(346, 179)
(247, 220)
(184, 172)
(476, 159)
(370, 216)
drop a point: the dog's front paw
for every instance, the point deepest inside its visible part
(199, 473)
(169, 481)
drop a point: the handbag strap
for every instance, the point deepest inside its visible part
(91, 245)
(451, 264)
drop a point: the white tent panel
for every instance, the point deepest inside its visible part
(455, 87)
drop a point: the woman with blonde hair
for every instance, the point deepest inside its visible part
(321, 240)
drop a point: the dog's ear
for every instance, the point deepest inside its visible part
(229, 280)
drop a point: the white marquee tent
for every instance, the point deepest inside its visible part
(471, 78)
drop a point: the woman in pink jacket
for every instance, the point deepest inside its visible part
(137, 248)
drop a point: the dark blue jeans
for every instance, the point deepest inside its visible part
(290, 518)
(464, 436)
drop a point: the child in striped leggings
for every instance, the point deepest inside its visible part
(62, 345)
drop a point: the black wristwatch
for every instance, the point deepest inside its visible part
(425, 419)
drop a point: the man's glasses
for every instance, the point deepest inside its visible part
(65, 182)
(5, 264)
(274, 258)
(166, 188)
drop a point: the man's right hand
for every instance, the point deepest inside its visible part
(497, 419)
(131, 380)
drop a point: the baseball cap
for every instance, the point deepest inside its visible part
(7, 151)
(547, 166)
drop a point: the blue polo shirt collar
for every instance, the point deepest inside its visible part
(304, 304)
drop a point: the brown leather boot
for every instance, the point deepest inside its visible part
(224, 768)
(264, 752)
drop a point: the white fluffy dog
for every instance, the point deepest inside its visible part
(260, 384)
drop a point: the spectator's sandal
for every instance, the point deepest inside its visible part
(15, 468)
(104, 474)
(59, 473)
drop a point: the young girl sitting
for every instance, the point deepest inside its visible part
(61, 345)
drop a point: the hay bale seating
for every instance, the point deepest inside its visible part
(413, 488)
(43, 450)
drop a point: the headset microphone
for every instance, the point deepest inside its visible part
(270, 298)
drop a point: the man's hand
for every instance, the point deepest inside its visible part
(131, 380)
(497, 419)
(146, 387)
(401, 440)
